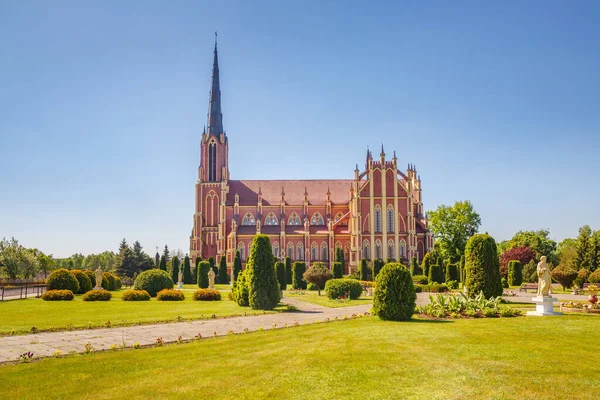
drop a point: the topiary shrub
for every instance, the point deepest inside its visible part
(318, 274)
(202, 274)
(582, 276)
(153, 281)
(564, 275)
(415, 269)
(206, 295)
(187, 271)
(346, 288)
(461, 268)
(62, 279)
(170, 295)
(263, 288)
(418, 288)
(594, 277)
(135, 295)
(298, 270)
(97, 295)
(364, 270)
(312, 287)
(288, 270)
(394, 297)
(239, 293)
(504, 282)
(280, 272)
(452, 272)
(452, 285)
(435, 274)
(85, 284)
(237, 265)
(515, 273)
(91, 276)
(175, 268)
(481, 263)
(429, 259)
(57, 295)
(109, 281)
(118, 283)
(420, 279)
(223, 275)
(377, 265)
(338, 271)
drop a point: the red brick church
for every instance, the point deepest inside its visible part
(377, 214)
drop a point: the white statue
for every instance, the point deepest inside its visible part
(99, 275)
(211, 279)
(544, 278)
(180, 279)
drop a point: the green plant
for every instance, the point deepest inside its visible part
(84, 282)
(364, 270)
(564, 275)
(135, 295)
(318, 274)
(452, 272)
(415, 269)
(97, 295)
(312, 287)
(504, 282)
(298, 269)
(57, 295)
(377, 265)
(582, 276)
(206, 295)
(429, 259)
(119, 282)
(435, 274)
(515, 273)
(394, 297)
(202, 274)
(187, 271)
(223, 275)
(239, 292)
(175, 269)
(237, 265)
(483, 271)
(62, 279)
(418, 288)
(338, 272)
(280, 272)
(452, 285)
(263, 288)
(343, 288)
(170, 295)
(420, 279)
(594, 277)
(109, 281)
(288, 270)
(91, 276)
(153, 281)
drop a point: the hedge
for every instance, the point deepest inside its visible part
(482, 267)
(109, 281)
(85, 284)
(153, 281)
(57, 295)
(336, 288)
(394, 297)
(263, 288)
(429, 259)
(515, 273)
(420, 279)
(435, 274)
(298, 270)
(206, 295)
(433, 288)
(97, 295)
(62, 279)
(452, 272)
(170, 295)
(135, 295)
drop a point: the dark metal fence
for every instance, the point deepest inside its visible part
(21, 292)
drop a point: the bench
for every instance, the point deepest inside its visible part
(583, 290)
(526, 286)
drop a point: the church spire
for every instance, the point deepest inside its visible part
(215, 118)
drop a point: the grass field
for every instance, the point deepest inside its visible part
(19, 316)
(311, 296)
(509, 358)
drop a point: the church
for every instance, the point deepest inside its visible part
(377, 214)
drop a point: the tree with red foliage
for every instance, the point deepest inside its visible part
(524, 254)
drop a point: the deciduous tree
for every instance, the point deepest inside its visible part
(452, 228)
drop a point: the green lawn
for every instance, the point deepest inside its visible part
(311, 296)
(508, 358)
(19, 316)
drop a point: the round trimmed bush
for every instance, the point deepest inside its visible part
(482, 264)
(594, 277)
(394, 297)
(109, 281)
(135, 295)
(312, 287)
(170, 295)
(97, 295)
(206, 295)
(57, 295)
(420, 279)
(62, 279)
(336, 288)
(91, 276)
(85, 285)
(118, 283)
(153, 281)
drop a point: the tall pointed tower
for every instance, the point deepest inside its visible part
(206, 239)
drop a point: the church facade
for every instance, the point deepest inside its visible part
(378, 213)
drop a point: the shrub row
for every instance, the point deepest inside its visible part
(433, 288)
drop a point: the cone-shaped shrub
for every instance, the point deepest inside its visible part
(62, 279)
(263, 288)
(85, 285)
(223, 275)
(280, 272)
(394, 297)
(237, 265)
(482, 267)
(163, 263)
(298, 270)
(435, 274)
(452, 273)
(239, 293)
(153, 281)
(428, 260)
(415, 269)
(461, 267)
(339, 257)
(202, 273)
(364, 270)
(91, 276)
(175, 269)
(515, 273)
(288, 270)
(377, 265)
(187, 271)
(338, 271)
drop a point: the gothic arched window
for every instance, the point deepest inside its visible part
(248, 219)
(317, 219)
(294, 219)
(377, 219)
(300, 251)
(402, 248)
(366, 249)
(276, 249)
(391, 249)
(378, 249)
(390, 219)
(314, 252)
(324, 251)
(338, 216)
(242, 249)
(271, 219)
(212, 161)
(290, 250)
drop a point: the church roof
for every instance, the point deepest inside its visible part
(293, 189)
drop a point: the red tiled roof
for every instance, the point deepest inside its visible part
(270, 230)
(294, 191)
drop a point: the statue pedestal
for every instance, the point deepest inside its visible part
(179, 285)
(544, 306)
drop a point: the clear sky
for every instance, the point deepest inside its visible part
(102, 105)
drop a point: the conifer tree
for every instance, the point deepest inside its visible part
(175, 269)
(288, 270)
(415, 269)
(237, 265)
(202, 268)
(263, 288)
(377, 265)
(595, 251)
(223, 275)
(142, 260)
(187, 271)
(298, 270)
(364, 270)
(163, 263)
(157, 260)
(211, 262)
(120, 254)
(280, 272)
(584, 248)
(339, 257)
(166, 253)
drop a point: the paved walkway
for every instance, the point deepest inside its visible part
(47, 343)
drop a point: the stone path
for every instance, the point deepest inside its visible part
(47, 343)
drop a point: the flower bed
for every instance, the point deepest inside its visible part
(453, 306)
(580, 307)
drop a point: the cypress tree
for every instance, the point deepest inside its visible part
(377, 265)
(187, 271)
(175, 269)
(166, 253)
(263, 288)
(339, 257)
(482, 267)
(427, 261)
(163, 263)
(415, 269)
(515, 273)
(157, 260)
(452, 272)
(337, 270)
(364, 270)
(281, 278)
(211, 262)
(202, 268)
(288, 270)
(298, 270)
(436, 275)
(462, 268)
(223, 275)
(237, 265)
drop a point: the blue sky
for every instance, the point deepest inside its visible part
(102, 106)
